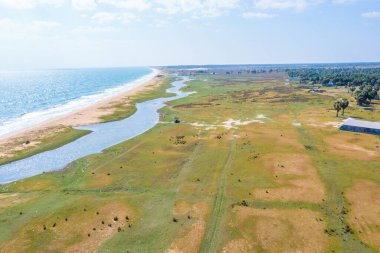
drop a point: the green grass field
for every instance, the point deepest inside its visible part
(282, 178)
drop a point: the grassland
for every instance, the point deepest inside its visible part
(282, 179)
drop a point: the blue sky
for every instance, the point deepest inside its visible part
(107, 33)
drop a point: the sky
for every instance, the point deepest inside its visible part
(117, 33)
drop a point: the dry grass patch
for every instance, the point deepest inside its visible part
(12, 199)
(190, 239)
(353, 145)
(199, 210)
(365, 211)
(238, 245)
(103, 232)
(277, 231)
(35, 185)
(100, 179)
(284, 135)
(297, 179)
(29, 139)
(319, 117)
(82, 231)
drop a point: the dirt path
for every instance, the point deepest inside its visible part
(210, 240)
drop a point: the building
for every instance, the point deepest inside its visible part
(361, 126)
(330, 84)
(316, 89)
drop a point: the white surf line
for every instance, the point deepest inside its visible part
(33, 119)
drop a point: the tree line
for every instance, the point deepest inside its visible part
(363, 83)
(339, 76)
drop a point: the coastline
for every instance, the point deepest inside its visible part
(88, 115)
(99, 137)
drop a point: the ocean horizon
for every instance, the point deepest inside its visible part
(31, 97)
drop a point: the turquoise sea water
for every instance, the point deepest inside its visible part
(31, 97)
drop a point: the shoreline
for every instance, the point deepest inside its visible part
(99, 138)
(87, 115)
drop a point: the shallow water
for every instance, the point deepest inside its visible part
(103, 136)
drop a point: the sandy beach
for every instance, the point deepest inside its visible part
(85, 116)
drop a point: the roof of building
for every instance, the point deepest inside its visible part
(361, 123)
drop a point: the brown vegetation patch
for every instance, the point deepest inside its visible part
(190, 240)
(81, 231)
(277, 231)
(280, 89)
(365, 211)
(100, 179)
(34, 185)
(243, 94)
(238, 245)
(297, 179)
(319, 117)
(182, 207)
(12, 199)
(198, 105)
(10, 146)
(291, 98)
(351, 145)
(282, 137)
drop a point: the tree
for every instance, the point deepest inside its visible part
(337, 107)
(361, 97)
(372, 94)
(364, 94)
(343, 102)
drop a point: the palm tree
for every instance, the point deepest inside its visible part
(337, 107)
(343, 104)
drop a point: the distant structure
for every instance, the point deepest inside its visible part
(330, 84)
(317, 90)
(361, 126)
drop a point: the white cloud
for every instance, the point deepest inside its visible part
(10, 28)
(260, 15)
(40, 25)
(343, 1)
(160, 23)
(108, 17)
(29, 4)
(298, 5)
(6, 23)
(372, 14)
(127, 18)
(94, 29)
(176, 6)
(139, 5)
(44, 25)
(199, 8)
(104, 17)
(83, 4)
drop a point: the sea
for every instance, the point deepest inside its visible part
(31, 97)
